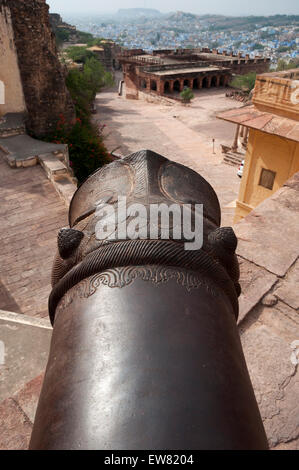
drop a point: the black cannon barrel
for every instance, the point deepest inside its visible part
(145, 352)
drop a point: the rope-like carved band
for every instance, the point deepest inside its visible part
(142, 253)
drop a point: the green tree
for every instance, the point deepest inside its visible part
(284, 65)
(79, 54)
(87, 151)
(62, 35)
(84, 85)
(95, 42)
(186, 95)
(84, 37)
(245, 83)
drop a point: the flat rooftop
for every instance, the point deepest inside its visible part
(186, 70)
(211, 56)
(271, 123)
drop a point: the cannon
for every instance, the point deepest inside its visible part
(145, 351)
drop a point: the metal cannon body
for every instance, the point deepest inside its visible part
(145, 352)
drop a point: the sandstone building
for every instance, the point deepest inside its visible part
(167, 72)
(273, 144)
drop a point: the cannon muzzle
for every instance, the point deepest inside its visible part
(145, 352)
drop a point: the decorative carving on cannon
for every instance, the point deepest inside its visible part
(145, 351)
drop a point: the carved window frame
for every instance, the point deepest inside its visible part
(267, 178)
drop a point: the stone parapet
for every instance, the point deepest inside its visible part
(268, 322)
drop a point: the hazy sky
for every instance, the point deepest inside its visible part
(223, 7)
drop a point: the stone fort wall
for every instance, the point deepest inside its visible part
(42, 76)
(14, 101)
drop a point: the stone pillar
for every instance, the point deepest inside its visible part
(160, 87)
(171, 83)
(200, 80)
(209, 82)
(235, 144)
(242, 131)
(181, 84)
(191, 83)
(218, 81)
(245, 139)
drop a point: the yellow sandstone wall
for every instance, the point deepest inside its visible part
(272, 153)
(9, 69)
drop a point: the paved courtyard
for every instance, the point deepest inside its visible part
(32, 213)
(180, 133)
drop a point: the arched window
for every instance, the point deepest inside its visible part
(205, 82)
(222, 80)
(186, 83)
(177, 86)
(143, 84)
(166, 87)
(153, 85)
(214, 81)
(195, 84)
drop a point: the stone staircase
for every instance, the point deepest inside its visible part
(20, 150)
(233, 158)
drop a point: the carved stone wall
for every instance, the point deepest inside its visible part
(42, 75)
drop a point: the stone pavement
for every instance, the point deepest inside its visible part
(25, 342)
(17, 416)
(180, 133)
(23, 147)
(269, 310)
(31, 213)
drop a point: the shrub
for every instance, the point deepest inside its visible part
(244, 82)
(86, 147)
(284, 65)
(187, 95)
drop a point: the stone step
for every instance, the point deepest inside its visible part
(52, 166)
(12, 124)
(60, 175)
(12, 132)
(233, 159)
